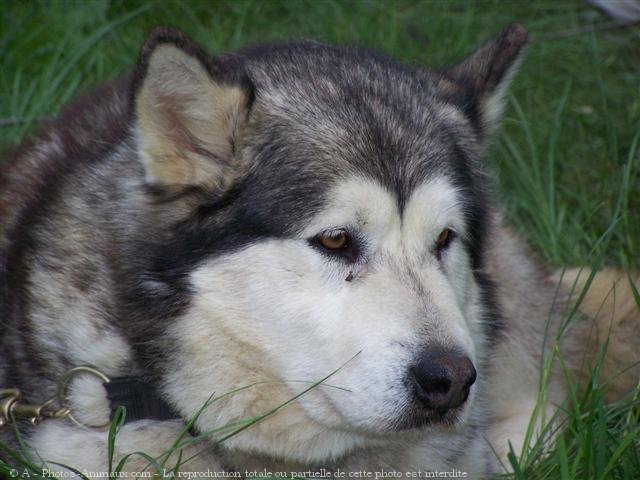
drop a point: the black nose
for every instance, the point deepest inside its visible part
(442, 379)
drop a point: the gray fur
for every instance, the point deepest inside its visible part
(98, 258)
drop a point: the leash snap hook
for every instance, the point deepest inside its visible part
(12, 407)
(8, 399)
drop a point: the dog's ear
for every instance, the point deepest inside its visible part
(187, 111)
(478, 84)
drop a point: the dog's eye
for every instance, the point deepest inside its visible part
(339, 244)
(444, 240)
(334, 240)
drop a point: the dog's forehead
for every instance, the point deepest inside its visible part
(331, 115)
(370, 207)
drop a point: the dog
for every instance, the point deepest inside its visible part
(283, 259)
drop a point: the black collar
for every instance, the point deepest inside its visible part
(140, 399)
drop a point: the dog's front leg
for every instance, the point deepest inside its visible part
(85, 449)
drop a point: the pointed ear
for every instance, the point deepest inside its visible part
(188, 112)
(478, 84)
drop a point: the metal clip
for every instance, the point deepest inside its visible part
(8, 398)
(12, 407)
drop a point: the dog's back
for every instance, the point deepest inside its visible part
(52, 255)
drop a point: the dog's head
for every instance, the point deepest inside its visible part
(332, 214)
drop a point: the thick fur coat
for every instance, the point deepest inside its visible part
(263, 219)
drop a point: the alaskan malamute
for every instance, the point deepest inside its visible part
(216, 235)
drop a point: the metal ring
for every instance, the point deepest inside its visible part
(62, 392)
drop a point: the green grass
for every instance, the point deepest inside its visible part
(586, 438)
(566, 159)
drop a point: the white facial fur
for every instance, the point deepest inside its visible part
(281, 311)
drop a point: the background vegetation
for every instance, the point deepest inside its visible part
(566, 160)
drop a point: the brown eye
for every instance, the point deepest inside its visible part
(444, 239)
(335, 240)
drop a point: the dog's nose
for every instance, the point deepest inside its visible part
(442, 379)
